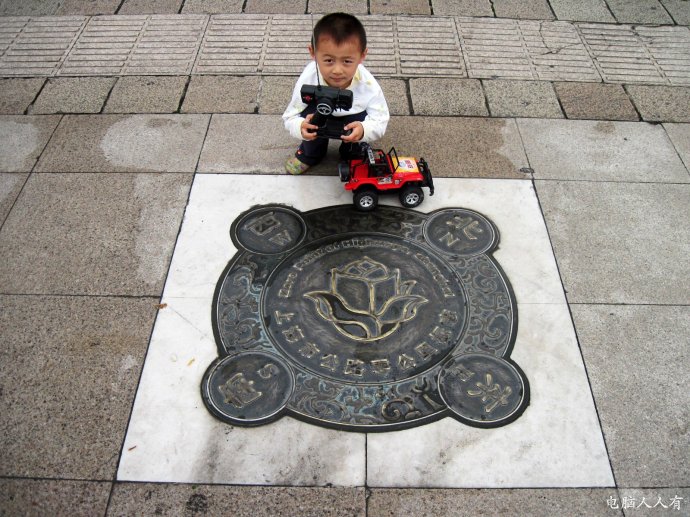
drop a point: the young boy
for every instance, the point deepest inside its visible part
(339, 46)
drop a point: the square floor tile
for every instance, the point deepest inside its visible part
(601, 151)
(637, 360)
(125, 143)
(620, 242)
(92, 234)
(172, 437)
(69, 368)
(22, 139)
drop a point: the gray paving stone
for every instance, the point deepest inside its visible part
(525, 9)
(622, 243)
(679, 10)
(214, 500)
(286, 45)
(637, 363)
(680, 136)
(150, 7)
(661, 103)
(88, 7)
(601, 151)
(276, 6)
(654, 502)
(639, 54)
(448, 97)
(582, 11)
(81, 358)
(28, 7)
(522, 99)
(221, 94)
(225, 147)
(429, 46)
(36, 498)
(36, 47)
(73, 95)
(639, 11)
(355, 7)
(460, 147)
(524, 49)
(596, 101)
(275, 94)
(122, 225)
(10, 186)
(16, 94)
(22, 139)
(532, 502)
(212, 6)
(381, 58)
(125, 143)
(462, 7)
(232, 45)
(136, 45)
(146, 94)
(399, 7)
(397, 98)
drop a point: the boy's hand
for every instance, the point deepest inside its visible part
(357, 132)
(308, 129)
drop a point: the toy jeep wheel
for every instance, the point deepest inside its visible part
(366, 200)
(344, 171)
(411, 196)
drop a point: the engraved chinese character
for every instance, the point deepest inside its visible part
(309, 350)
(468, 225)
(281, 238)
(239, 391)
(492, 393)
(268, 371)
(380, 365)
(283, 317)
(446, 317)
(463, 373)
(405, 362)
(441, 334)
(293, 334)
(354, 367)
(330, 362)
(264, 224)
(425, 350)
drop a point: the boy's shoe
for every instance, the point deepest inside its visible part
(295, 167)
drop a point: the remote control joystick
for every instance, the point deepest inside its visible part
(326, 100)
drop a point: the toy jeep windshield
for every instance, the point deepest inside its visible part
(376, 172)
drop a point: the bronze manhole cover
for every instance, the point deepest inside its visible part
(364, 321)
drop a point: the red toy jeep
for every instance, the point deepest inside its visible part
(376, 172)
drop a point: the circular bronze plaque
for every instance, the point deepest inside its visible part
(362, 319)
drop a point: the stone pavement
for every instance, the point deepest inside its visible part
(132, 132)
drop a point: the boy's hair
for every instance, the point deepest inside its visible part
(340, 27)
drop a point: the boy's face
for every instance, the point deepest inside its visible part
(338, 63)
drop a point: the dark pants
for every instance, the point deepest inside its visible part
(312, 152)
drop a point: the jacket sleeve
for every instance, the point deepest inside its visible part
(292, 117)
(377, 117)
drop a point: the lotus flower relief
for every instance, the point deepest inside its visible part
(367, 301)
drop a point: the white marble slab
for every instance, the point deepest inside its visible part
(557, 442)
(173, 438)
